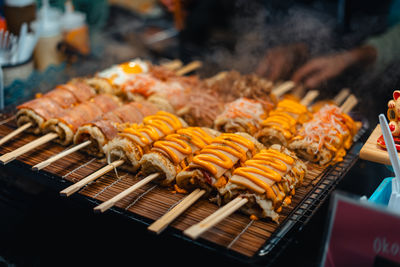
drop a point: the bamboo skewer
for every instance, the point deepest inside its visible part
(172, 64)
(189, 67)
(75, 187)
(65, 153)
(162, 223)
(349, 104)
(14, 133)
(196, 230)
(343, 94)
(283, 88)
(56, 157)
(112, 201)
(159, 225)
(6, 158)
(309, 97)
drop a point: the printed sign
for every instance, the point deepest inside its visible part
(361, 234)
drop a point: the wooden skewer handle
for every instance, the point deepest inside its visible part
(309, 97)
(196, 230)
(75, 187)
(341, 96)
(6, 158)
(50, 160)
(159, 225)
(349, 104)
(189, 67)
(283, 88)
(172, 65)
(15, 133)
(111, 202)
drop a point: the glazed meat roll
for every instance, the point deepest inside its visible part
(268, 181)
(283, 122)
(135, 140)
(171, 154)
(104, 129)
(213, 166)
(71, 119)
(52, 104)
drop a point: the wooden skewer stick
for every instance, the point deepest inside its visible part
(54, 158)
(309, 97)
(159, 225)
(196, 230)
(162, 223)
(283, 88)
(15, 133)
(6, 158)
(75, 187)
(111, 202)
(172, 64)
(343, 94)
(189, 67)
(349, 104)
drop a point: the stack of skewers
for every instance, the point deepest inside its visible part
(237, 140)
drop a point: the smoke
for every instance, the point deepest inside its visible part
(259, 28)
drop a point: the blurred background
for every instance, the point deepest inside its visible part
(327, 45)
(323, 44)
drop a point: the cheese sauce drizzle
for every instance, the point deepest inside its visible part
(265, 171)
(155, 127)
(181, 141)
(217, 152)
(286, 116)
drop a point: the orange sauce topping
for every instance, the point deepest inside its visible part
(181, 141)
(266, 164)
(285, 117)
(216, 153)
(162, 122)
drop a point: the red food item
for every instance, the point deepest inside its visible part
(381, 142)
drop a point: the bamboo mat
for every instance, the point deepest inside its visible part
(152, 201)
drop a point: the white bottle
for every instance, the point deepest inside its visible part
(46, 52)
(75, 30)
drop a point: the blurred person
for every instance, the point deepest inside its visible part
(292, 61)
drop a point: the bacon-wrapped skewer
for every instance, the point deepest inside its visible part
(63, 127)
(131, 143)
(68, 123)
(52, 104)
(259, 188)
(100, 131)
(325, 139)
(166, 158)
